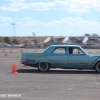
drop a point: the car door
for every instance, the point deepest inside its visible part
(77, 58)
(58, 57)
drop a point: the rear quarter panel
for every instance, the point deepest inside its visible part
(39, 57)
(33, 58)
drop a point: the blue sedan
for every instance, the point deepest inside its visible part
(62, 56)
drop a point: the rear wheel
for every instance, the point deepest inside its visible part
(43, 66)
(98, 67)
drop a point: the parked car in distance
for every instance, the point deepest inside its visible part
(62, 56)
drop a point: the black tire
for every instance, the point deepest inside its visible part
(97, 67)
(43, 66)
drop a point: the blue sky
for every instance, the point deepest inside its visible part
(49, 17)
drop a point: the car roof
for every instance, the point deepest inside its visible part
(64, 45)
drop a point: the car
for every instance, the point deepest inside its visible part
(62, 56)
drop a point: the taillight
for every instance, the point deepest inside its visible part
(22, 62)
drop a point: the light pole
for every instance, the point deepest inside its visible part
(14, 30)
(34, 38)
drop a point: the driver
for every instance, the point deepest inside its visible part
(70, 50)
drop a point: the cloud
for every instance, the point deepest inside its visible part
(74, 25)
(26, 18)
(74, 6)
(5, 19)
(64, 23)
(69, 25)
(16, 1)
(5, 8)
(28, 21)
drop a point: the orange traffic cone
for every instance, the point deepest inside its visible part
(14, 68)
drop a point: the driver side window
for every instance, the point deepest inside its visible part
(73, 50)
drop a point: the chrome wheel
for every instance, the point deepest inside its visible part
(43, 66)
(98, 67)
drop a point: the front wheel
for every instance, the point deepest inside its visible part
(98, 67)
(43, 66)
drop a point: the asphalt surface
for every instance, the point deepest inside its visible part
(57, 84)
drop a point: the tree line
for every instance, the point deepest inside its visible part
(8, 40)
(16, 41)
(92, 35)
